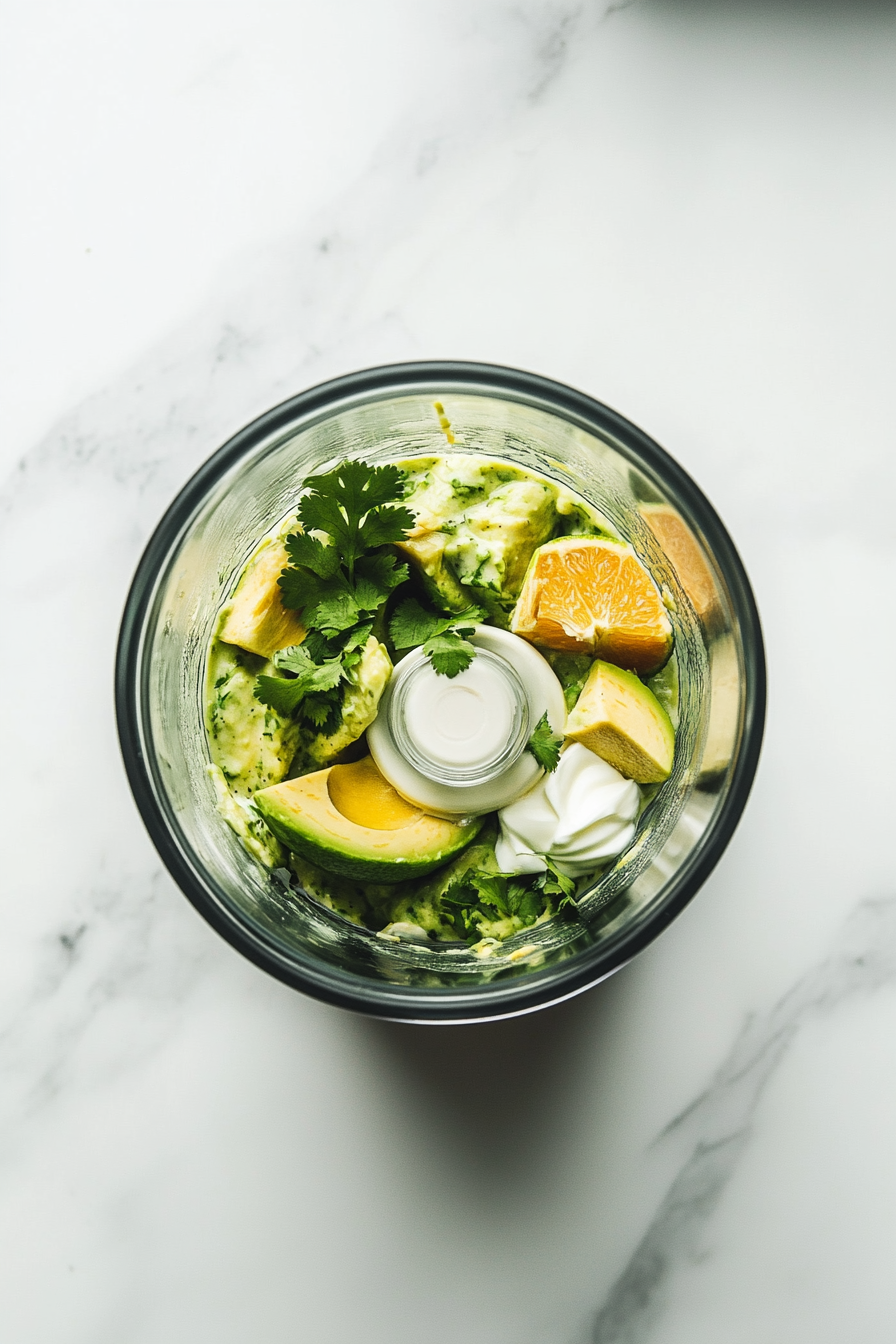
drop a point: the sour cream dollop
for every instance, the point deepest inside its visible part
(581, 815)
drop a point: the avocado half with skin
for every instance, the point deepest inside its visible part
(349, 820)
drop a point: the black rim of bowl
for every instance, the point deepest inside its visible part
(501, 998)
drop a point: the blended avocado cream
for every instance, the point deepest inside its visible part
(439, 696)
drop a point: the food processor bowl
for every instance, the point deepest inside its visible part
(191, 565)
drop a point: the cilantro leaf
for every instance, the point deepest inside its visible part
(459, 902)
(545, 744)
(323, 711)
(326, 676)
(280, 693)
(517, 894)
(359, 486)
(356, 639)
(313, 554)
(339, 583)
(442, 637)
(530, 906)
(449, 654)
(314, 676)
(502, 890)
(492, 888)
(319, 647)
(354, 504)
(479, 896)
(332, 505)
(412, 624)
(375, 577)
(302, 589)
(295, 659)
(554, 883)
(385, 525)
(459, 893)
(287, 694)
(334, 610)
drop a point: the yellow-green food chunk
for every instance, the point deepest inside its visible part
(620, 719)
(497, 538)
(256, 618)
(252, 745)
(242, 818)
(427, 552)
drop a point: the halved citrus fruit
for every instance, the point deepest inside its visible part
(587, 595)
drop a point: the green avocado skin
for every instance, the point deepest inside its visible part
(348, 863)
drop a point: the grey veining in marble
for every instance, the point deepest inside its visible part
(717, 1125)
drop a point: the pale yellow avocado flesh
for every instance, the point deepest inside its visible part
(620, 719)
(257, 619)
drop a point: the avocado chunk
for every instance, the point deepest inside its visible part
(349, 820)
(251, 744)
(620, 719)
(478, 522)
(256, 618)
(427, 552)
(494, 542)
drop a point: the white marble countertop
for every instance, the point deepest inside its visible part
(687, 210)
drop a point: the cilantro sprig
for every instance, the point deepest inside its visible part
(339, 583)
(479, 896)
(347, 578)
(311, 690)
(444, 638)
(554, 883)
(545, 744)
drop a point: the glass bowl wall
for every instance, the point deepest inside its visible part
(190, 568)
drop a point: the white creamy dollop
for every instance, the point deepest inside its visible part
(581, 815)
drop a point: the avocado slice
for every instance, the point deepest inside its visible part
(619, 718)
(349, 820)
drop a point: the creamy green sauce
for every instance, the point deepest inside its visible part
(479, 522)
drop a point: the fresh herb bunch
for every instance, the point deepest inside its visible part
(317, 674)
(480, 896)
(339, 585)
(444, 638)
(544, 745)
(347, 578)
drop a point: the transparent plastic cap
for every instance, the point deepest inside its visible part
(467, 730)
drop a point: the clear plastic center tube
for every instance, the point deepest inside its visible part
(456, 746)
(461, 730)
